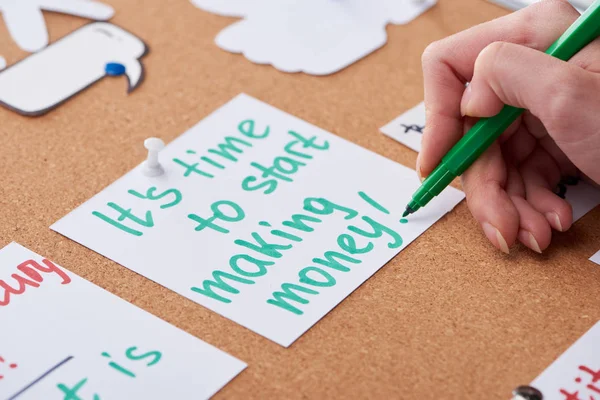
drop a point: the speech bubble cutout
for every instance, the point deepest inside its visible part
(25, 21)
(318, 37)
(46, 79)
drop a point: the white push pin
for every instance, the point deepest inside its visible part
(151, 166)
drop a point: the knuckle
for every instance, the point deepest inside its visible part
(433, 53)
(492, 52)
(552, 9)
(564, 91)
(527, 29)
(490, 57)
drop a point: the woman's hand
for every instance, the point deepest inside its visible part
(510, 188)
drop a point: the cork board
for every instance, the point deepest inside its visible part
(449, 317)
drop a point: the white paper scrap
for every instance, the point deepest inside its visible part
(318, 37)
(575, 375)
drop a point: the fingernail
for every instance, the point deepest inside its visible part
(533, 244)
(466, 99)
(495, 236)
(419, 173)
(554, 217)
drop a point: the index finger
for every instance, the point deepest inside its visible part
(448, 65)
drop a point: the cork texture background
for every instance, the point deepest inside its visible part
(448, 318)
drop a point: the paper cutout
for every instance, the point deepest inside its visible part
(575, 375)
(218, 213)
(2, 63)
(596, 258)
(408, 127)
(318, 37)
(48, 78)
(25, 21)
(62, 334)
(582, 196)
(580, 5)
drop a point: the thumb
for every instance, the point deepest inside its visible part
(563, 96)
(507, 73)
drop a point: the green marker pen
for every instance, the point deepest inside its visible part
(487, 130)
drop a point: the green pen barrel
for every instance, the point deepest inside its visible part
(435, 183)
(479, 138)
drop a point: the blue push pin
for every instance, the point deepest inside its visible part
(114, 69)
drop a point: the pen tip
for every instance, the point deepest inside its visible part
(407, 212)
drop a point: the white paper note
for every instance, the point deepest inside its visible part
(580, 5)
(318, 37)
(582, 196)
(25, 21)
(257, 200)
(596, 258)
(408, 130)
(408, 127)
(575, 375)
(63, 337)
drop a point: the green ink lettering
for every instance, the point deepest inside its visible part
(117, 367)
(297, 222)
(348, 244)
(246, 128)
(192, 168)
(281, 298)
(286, 235)
(148, 222)
(378, 231)
(224, 149)
(150, 196)
(219, 214)
(212, 162)
(267, 249)
(155, 355)
(71, 393)
(260, 264)
(117, 224)
(293, 165)
(289, 149)
(331, 262)
(309, 143)
(219, 283)
(267, 172)
(271, 185)
(329, 279)
(327, 207)
(373, 203)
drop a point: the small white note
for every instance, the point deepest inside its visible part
(408, 127)
(580, 5)
(408, 130)
(582, 196)
(596, 258)
(575, 375)
(44, 80)
(25, 20)
(259, 216)
(318, 37)
(63, 337)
